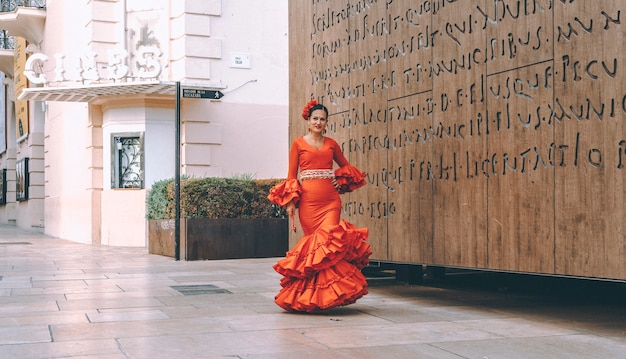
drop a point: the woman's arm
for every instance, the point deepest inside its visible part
(338, 155)
(293, 161)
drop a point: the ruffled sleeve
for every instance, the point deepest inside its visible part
(349, 178)
(285, 191)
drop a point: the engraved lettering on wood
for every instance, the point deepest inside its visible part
(492, 132)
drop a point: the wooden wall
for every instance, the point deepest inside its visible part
(493, 132)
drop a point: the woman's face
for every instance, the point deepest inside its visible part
(317, 121)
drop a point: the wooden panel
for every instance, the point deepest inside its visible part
(590, 83)
(492, 132)
(409, 100)
(460, 137)
(521, 169)
(366, 123)
(161, 237)
(230, 238)
(300, 64)
(301, 82)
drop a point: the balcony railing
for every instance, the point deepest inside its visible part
(6, 42)
(11, 5)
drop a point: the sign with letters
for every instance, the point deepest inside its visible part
(85, 68)
(205, 94)
(20, 82)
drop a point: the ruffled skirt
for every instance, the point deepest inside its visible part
(323, 270)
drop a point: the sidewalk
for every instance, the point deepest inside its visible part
(60, 299)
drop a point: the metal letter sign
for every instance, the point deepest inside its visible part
(196, 93)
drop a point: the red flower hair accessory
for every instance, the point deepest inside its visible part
(307, 109)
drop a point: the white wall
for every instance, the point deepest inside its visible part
(159, 145)
(124, 218)
(254, 112)
(123, 210)
(68, 207)
(247, 139)
(260, 29)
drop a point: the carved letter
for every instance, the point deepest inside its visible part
(36, 77)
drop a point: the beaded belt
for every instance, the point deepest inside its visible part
(316, 174)
(319, 174)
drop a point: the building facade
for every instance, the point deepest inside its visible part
(96, 92)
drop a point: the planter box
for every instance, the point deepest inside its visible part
(161, 237)
(227, 238)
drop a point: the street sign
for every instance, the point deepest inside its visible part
(198, 93)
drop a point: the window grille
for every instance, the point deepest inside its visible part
(128, 161)
(22, 180)
(11, 5)
(6, 42)
(3, 183)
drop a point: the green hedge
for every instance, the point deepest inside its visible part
(213, 198)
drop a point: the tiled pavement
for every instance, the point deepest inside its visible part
(60, 299)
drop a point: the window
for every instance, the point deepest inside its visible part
(3, 183)
(127, 161)
(22, 180)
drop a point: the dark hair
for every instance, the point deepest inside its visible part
(319, 106)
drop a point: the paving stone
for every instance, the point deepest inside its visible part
(60, 299)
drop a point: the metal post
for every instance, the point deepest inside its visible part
(177, 177)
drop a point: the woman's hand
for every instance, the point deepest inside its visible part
(291, 211)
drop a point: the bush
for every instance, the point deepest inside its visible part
(213, 198)
(157, 199)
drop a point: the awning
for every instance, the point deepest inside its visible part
(88, 93)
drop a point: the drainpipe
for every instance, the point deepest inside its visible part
(125, 24)
(177, 177)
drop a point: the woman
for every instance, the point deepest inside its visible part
(323, 270)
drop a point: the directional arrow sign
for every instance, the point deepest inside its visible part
(197, 93)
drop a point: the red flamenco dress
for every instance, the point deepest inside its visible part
(323, 270)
